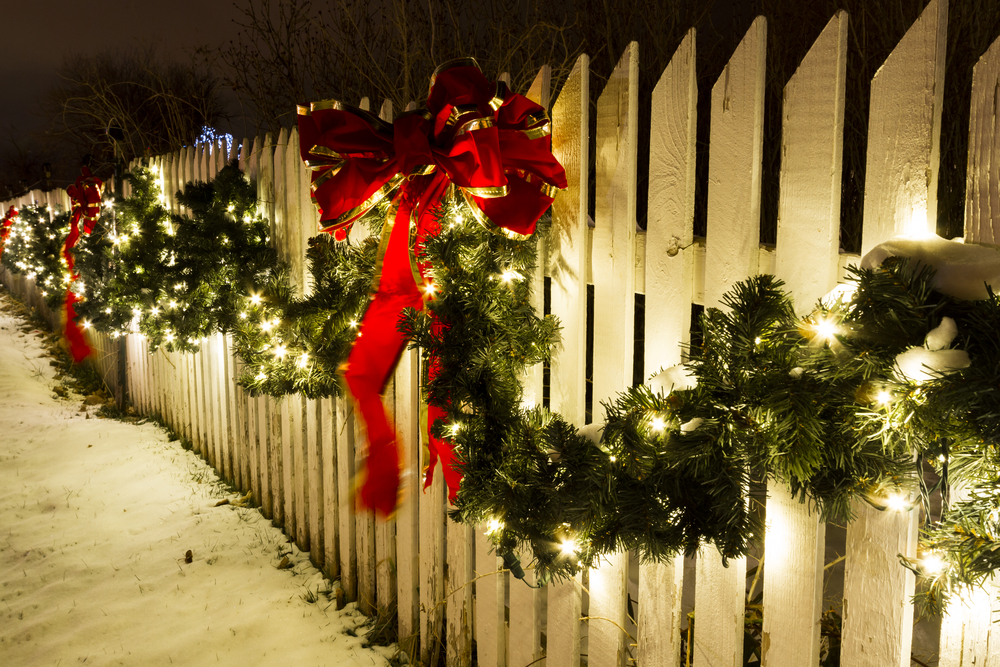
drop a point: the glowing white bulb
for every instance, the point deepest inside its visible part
(429, 289)
(86, 324)
(567, 547)
(280, 351)
(109, 203)
(883, 397)
(231, 208)
(455, 428)
(261, 376)
(509, 276)
(494, 526)
(932, 563)
(170, 337)
(154, 311)
(303, 360)
(243, 315)
(255, 299)
(353, 324)
(897, 503)
(657, 424)
(265, 325)
(173, 304)
(825, 329)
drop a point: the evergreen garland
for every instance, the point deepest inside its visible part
(34, 249)
(180, 276)
(816, 402)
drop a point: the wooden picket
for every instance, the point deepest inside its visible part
(297, 457)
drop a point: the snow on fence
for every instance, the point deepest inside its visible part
(297, 456)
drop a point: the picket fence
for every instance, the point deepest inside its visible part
(453, 600)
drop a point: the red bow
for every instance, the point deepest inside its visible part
(86, 197)
(8, 220)
(494, 145)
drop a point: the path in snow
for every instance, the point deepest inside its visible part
(95, 519)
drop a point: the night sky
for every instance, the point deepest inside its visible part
(38, 35)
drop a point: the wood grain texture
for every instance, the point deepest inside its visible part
(491, 629)
(982, 185)
(458, 608)
(794, 548)
(669, 254)
(406, 416)
(567, 245)
(812, 146)
(719, 605)
(660, 619)
(734, 167)
(562, 648)
(606, 625)
(347, 529)
(904, 133)
(878, 614)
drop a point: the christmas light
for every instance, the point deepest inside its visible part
(567, 547)
(280, 351)
(933, 564)
(303, 360)
(86, 324)
(883, 397)
(825, 329)
(897, 503)
(255, 299)
(493, 526)
(657, 424)
(509, 276)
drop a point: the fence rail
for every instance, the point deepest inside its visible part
(298, 456)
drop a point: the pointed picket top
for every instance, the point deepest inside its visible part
(982, 191)
(734, 167)
(904, 133)
(812, 147)
(567, 243)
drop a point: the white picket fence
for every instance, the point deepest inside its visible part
(297, 456)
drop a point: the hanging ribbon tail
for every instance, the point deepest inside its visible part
(442, 450)
(371, 362)
(78, 347)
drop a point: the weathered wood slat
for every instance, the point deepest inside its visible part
(345, 500)
(458, 607)
(432, 555)
(806, 258)
(982, 189)
(731, 255)
(567, 247)
(669, 266)
(331, 508)
(614, 314)
(314, 465)
(904, 133)
(406, 416)
(491, 639)
(904, 127)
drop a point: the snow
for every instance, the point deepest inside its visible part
(96, 518)
(920, 364)
(940, 337)
(961, 270)
(675, 378)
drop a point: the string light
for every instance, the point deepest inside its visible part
(883, 397)
(657, 424)
(567, 547)
(494, 526)
(897, 503)
(280, 351)
(303, 360)
(933, 564)
(509, 276)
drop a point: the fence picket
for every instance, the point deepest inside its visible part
(432, 556)
(345, 500)
(458, 606)
(264, 457)
(731, 255)
(331, 510)
(669, 268)
(904, 128)
(491, 640)
(982, 192)
(806, 258)
(314, 495)
(406, 416)
(614, 314)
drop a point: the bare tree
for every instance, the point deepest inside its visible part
(150, 106)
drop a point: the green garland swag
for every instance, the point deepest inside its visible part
(816, 402)
(180, 276)
(34, 249)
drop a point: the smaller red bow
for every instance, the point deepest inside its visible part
(85, 195)
(8, 220)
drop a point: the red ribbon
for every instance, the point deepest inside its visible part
(8, 220)
(494, 146)
(86, 197)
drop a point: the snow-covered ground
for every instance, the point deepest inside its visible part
(96, 517)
